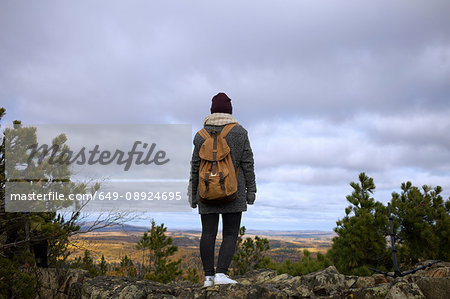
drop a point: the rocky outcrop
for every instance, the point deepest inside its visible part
(433, 282)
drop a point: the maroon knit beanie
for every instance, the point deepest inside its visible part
(221, 103)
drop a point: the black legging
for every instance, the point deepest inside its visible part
(231, 223)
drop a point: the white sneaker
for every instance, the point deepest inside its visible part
(209, 281)
(221, 278)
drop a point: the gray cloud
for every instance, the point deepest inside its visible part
(325, 89)
(148, 56)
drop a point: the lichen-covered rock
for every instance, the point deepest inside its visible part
(433, 282)
(58, 283)
(438, 272)
(103, 287)
(435, 287)
(257, 276)
(379, 291)
(401, 290)
(328, 282)
(364, 282)
(380, 279)
(240, 291)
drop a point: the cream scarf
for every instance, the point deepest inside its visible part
(219, 119)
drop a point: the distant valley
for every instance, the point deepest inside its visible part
(116, 242)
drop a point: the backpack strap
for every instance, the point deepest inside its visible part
(227, 129)
(204, 133)
(224, 133)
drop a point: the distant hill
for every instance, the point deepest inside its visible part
(292, 233)
(275, 233)
(116, 228)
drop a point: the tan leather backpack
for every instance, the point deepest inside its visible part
(217, 176)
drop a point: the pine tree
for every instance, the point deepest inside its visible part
(144, 246)
(157, 249)
(249, 253)
(361, 237)
(85, 262)
(103, 266)
(45, 233)
(28, 239)
(305, 265)
(192, 275)
(422, 223)
(127, 267)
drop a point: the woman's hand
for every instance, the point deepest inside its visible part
(251, 196)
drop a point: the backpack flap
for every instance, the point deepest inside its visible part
(214, 141)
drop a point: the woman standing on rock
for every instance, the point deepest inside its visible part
(230, 207)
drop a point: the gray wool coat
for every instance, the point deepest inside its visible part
(242, 156)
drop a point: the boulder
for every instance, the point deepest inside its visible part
(58, 283)
(436, 288)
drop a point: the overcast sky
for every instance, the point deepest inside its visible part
(326, 89)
